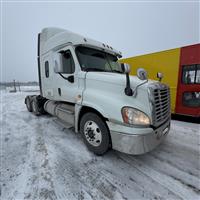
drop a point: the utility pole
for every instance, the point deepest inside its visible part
(14, 86)
(19, 86)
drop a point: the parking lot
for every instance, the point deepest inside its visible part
(42, 160)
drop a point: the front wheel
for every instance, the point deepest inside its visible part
(95, 133)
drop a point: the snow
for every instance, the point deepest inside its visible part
(42, 160)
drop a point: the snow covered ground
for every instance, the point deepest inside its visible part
(42, 160)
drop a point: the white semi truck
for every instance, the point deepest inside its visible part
(85, 87)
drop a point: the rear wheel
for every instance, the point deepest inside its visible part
(35, 106)
(95, 133)
(29, 104)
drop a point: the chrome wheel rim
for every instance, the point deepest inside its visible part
(92, 133)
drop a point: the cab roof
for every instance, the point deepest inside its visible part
(56, 38)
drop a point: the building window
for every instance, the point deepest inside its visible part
(46, 69)
(198, 74)
(191, 74)
(191, 99)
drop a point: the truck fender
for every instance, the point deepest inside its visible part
(79, 108)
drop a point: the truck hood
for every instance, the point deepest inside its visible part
(115, 78)
(104, 91)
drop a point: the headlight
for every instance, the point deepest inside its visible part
(134, 116)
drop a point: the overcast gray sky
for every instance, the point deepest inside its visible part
(134, 28)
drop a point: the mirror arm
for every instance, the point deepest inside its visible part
(135, 89)
(128, 91)
(69, 78)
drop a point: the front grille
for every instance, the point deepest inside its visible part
(161, 103)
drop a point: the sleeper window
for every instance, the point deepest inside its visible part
(46, 69)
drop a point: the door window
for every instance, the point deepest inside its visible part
(68, 63)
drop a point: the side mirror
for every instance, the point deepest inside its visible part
(125, 68)
(58, 63)
(142, 74)
(159, 76)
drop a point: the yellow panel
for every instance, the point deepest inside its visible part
(166, 62)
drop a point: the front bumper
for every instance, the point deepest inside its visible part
(137, 140)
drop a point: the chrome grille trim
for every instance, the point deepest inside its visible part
(159, 96)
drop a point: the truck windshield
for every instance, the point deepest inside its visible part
(96, 60)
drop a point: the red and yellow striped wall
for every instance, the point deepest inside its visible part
(168, 62)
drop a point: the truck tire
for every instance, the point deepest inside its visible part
(95, 133)
(35, 106)
(29, 104)
(40, 103)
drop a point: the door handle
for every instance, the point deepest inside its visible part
(59, 91)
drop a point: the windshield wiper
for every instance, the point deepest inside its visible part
(117, 71)
(94, 69)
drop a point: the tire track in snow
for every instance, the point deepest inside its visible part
(91, 181)
(15, 154)
(172, 184)
(150, 188)
(170, 170)
(187, 161)
(119, 182)
(40, 169)
(36, 171)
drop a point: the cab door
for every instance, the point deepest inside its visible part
(66, 83)
(188, 90)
